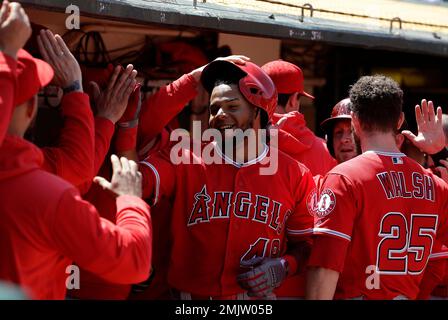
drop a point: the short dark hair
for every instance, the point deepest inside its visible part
(377, 102)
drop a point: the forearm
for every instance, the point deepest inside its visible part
(321, 283)
(73, 158)
(161, 107)
(297, 256)
(119, 253)
(104, 131)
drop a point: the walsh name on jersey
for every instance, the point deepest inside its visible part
(395, 186)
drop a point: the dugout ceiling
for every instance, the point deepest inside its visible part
(376, 24)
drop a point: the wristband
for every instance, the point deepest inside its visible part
(75, 86)
(290, 264)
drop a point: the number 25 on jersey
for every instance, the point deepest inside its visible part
(405, 246)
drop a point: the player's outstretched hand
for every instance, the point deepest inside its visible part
(430, 138)
(15, 28)
(126, 179)
(111, 103)
(266, 275)
(67, 72)
(237, 59)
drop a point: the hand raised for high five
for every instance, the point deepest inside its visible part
(430, 138)
(111, 102)
(15, 28)
(126, 179)
(67, 73)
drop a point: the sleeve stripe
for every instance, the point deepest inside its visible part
(438, 255)
(299, 232)
(333, 233)
(156, 174)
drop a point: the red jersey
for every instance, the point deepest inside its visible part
(7, 89)
(226, 213)
(300, 143)
(378, 211)
(45, 226)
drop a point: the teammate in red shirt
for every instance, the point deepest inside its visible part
(378, 214)
(15, 30)
(434, 284)
(45, 225)
(295, 138)
(338, 128)
(229, 222)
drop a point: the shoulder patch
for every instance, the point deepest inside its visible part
(321, 205)
(312, 202)
(326, 204)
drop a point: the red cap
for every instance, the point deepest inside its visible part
(32, 74)
(340, 111)
(287, 77)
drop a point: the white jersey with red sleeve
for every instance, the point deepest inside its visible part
(377, 217)
(225, 213)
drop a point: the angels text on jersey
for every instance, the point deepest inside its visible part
(244, 205)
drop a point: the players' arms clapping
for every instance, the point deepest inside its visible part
(111, 103)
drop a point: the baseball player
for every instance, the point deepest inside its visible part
(338, 129)
(295, 138)
(15, 30)
(434, 284)
(156, 112)
(378, 214)
(112, 135)
(45, 225)
(230, 223)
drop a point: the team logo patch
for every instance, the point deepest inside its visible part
(321, 206)
(327, 202)
(312, 202)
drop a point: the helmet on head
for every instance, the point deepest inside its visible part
(254, 84)
(340, 111)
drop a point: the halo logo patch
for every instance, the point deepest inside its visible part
(322, 206)
(312, 202)
(326, 204)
